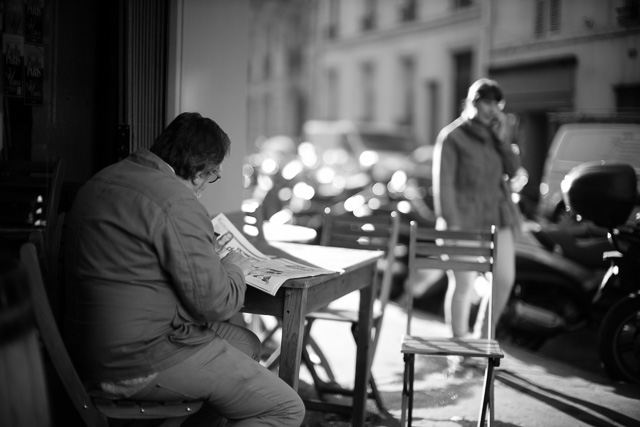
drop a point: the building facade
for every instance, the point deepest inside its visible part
(410, 62)
(278, 74)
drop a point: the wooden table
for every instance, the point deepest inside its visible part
(298, 297)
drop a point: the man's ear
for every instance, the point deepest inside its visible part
(199, 179)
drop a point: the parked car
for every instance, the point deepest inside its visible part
(375, 148)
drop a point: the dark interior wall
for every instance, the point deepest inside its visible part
(78, 119)
(65, 125)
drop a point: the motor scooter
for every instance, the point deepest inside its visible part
(607, 195)
(558, 273)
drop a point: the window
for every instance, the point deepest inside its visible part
(407, 91)
(369, 16)
(266, 66)
(268, 126)
(629, 13)
(628, 98)
(294, 60)
(334, 19)
(462, 79)
(459, 4)
(547, 17)
(368, 91)
(433, 101)
(333, 101)
(408, 10)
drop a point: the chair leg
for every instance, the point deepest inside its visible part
(317, 381)
(495, 363)
(274, 359)
(270, 332)
(377, 397)
(407, 390)
(309, 363)
(487, 394)
(372, 382)
(324, 362)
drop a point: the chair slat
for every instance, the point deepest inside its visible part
(363, 241)
(432, 233)
(425, 249)
(131, 410)
(437, 346)
(440, 264)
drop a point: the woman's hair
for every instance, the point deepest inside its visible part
(485, 89)
(191, 144)
(482, 89)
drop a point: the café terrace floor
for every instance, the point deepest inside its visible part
(563, 384)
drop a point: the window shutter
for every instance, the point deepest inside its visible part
(146, 73)
(554, 15)
(538, 25)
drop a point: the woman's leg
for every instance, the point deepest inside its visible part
(505, 275)
(457, 305)
(235, 386)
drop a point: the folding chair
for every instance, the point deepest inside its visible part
(370, 233)
(93, 411)
(459, 251)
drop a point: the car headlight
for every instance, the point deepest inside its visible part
(368, 158)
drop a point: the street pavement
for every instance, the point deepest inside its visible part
(563, 384)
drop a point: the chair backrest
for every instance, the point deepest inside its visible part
(53, 340)
(457, 250)
(378, 232)
(253, 219)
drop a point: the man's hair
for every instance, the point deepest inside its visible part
(191, 144)
(485, 89)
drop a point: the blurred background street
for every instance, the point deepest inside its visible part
(347, 100)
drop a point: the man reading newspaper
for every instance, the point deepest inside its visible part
(149, 297)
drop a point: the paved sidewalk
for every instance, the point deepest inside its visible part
(531, 389)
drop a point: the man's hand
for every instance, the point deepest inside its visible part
(240, 260)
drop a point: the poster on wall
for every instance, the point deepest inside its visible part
(12, 57)
(33, 10)
(33, 72)
(13, 17)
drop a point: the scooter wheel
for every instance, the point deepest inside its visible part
(619, 340)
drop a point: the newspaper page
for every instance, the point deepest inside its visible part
(269, 273)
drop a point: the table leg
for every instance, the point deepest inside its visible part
(363, 355)
(293, 320)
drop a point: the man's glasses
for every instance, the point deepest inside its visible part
(214, 176)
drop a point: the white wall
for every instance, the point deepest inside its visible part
(210, 51)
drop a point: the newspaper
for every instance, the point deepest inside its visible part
(269, 273)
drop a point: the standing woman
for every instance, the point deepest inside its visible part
(474, 158)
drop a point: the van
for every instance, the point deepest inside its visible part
(577, 143)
